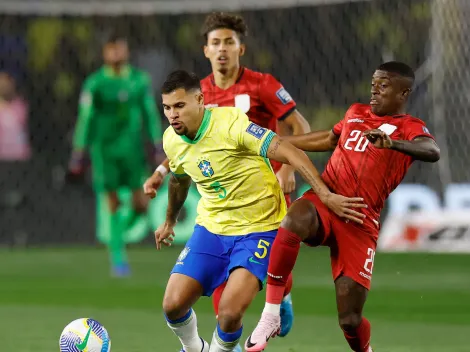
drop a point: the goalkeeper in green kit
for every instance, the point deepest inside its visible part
(116, 104)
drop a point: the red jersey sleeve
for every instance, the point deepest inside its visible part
(275, 98)
(416, 128)
(338, 128)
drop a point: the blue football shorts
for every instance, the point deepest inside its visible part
(210, 258)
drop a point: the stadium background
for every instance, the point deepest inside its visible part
(324, 52)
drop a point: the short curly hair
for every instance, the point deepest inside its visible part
(218, 20)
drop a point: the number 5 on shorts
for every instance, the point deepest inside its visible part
(262, 244)
(369, 264)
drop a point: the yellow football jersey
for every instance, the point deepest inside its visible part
(227, 161)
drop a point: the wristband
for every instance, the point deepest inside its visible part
(162, 170)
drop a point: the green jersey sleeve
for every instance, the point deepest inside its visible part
(86, 110)
(151, 116)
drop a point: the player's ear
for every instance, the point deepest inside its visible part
(200, 98)
(206, 51)
(242, 49)
(406, 93)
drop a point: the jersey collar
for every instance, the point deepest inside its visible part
(202, 129)
(125, 71)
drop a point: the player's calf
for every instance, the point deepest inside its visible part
(180, 295)
(242, 287)
(350, 298)
(300, 224)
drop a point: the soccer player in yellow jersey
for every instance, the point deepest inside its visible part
(240, 210)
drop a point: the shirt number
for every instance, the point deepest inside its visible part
(355, 143)
(219, 189)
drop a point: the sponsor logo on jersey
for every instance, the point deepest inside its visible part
(283, 96)
(242, 102)
(256, 131)
(206, 168)
(355, 120)
(387, 128)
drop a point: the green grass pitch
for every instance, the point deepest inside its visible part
(418, 302)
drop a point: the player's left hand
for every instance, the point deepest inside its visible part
(286, 178)
(344, 207)
(378, 138)
(164, 234)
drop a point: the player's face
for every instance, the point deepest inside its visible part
(182, 109)
(223, 49)
(116, 53)
(388, 94)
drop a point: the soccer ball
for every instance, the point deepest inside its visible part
(84, 335)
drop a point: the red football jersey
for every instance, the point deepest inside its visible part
(259, 95)
(358, 169)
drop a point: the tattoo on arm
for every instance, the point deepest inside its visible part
(272, 151)
(314, 180)
(177, 193)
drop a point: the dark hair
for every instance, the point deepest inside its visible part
(180, 79)
(218, 20)
(114, 37)
(398, 68)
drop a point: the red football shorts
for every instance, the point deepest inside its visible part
(352, 246)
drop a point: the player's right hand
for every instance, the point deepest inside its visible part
(344, 207)
(152, 184)
(164, 234)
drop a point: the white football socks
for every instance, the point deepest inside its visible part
(272, 308)
(186, 330)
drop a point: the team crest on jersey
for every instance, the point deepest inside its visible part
(206, 168)
(283, 96)
(242, 102)
(256, 131)
(387, 128)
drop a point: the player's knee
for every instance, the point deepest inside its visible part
(173, 307)
(230, 318)
(301, 219)
(349, 321)
(113, 202)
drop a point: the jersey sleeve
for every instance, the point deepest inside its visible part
(175, 168)
(85, 114)
(338, 127)
(249, 136)
(416, 128)
(275, 98)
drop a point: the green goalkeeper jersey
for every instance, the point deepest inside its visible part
(113, 110)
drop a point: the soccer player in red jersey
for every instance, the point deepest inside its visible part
(259, 95)
(374, 145)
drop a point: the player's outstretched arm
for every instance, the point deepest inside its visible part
(420, 148)
(178, 188)
(285, 152)
(317, 141)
